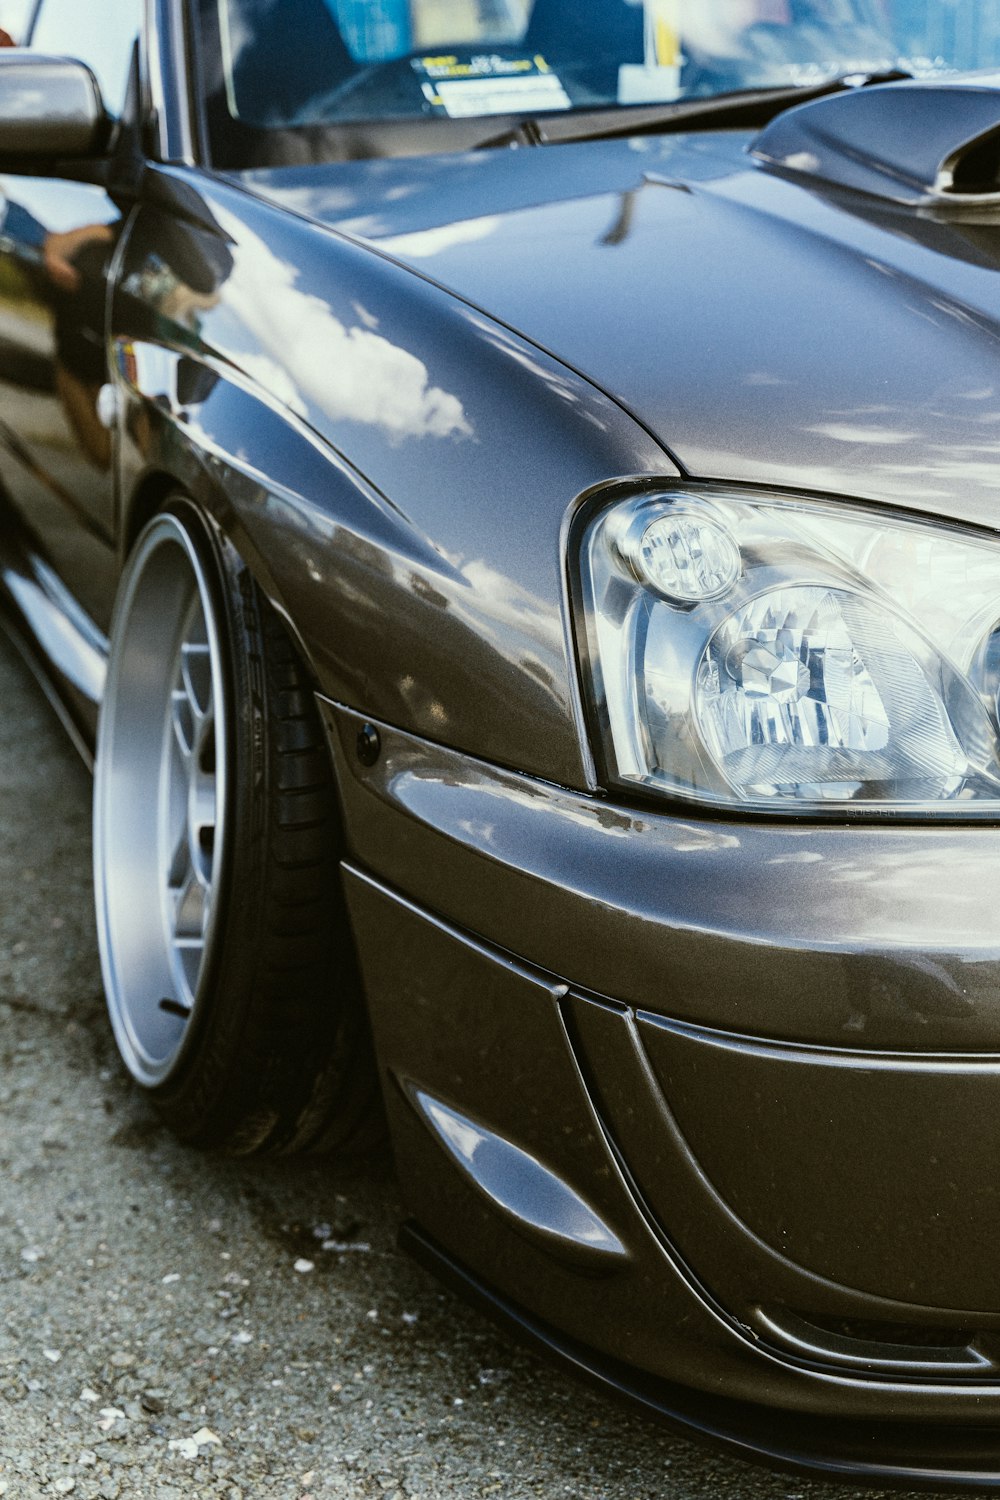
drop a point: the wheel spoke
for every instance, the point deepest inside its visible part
(196, 676)
(192, 798)
(205, 744)
(201, 809)
(184, 723)
(179, 869)
(190, 911)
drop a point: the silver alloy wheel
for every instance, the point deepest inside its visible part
(160, 800)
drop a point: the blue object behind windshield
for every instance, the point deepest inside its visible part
(374, 30)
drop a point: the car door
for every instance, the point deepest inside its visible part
(57, 241)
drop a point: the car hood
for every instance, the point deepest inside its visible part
(764, 326)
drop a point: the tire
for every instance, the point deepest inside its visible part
(225, 948)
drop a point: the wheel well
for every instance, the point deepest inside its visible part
(148, 498)
(150, 495)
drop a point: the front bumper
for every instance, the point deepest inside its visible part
(868, 1452)
(719, 1102)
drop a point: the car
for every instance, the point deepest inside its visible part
(504, 494)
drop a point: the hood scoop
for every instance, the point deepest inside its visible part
(920, 143)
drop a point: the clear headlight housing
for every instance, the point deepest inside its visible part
(792, 655)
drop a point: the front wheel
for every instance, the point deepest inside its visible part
(225, 949)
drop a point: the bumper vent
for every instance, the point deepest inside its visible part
(893, 1350)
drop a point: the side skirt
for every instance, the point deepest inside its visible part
(58, 640)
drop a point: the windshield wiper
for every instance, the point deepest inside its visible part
(748, 108)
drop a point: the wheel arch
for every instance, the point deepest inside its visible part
(219, 472)
(179, 468)
(152, 492)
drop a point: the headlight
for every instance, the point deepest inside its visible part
(792, 655)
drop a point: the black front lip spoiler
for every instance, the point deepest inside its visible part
(893, 1454)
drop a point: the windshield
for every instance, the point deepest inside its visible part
(303, 63)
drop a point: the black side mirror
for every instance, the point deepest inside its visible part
(50, 109)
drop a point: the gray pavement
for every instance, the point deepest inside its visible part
(160, 1333)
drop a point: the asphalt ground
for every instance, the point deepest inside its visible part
(160, 1333)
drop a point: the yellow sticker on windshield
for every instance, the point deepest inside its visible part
(489, 84)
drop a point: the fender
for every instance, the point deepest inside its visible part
(322, 400)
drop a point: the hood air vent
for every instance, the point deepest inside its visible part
(919, 143)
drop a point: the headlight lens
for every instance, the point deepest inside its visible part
(793, 655)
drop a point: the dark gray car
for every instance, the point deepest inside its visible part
(506, 495)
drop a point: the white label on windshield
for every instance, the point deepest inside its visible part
(490, 85)
(638, 84)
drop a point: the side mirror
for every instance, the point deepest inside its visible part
(50, 109)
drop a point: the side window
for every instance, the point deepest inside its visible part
(100, 33)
